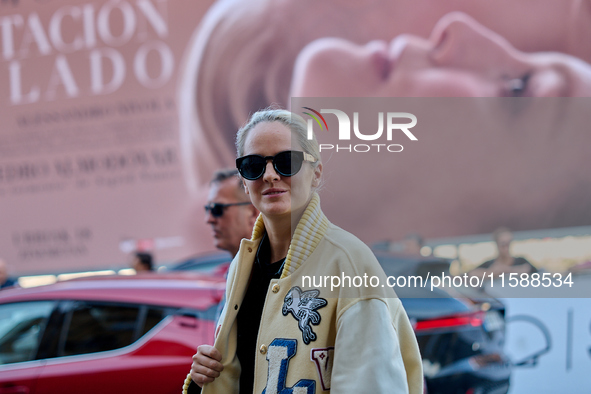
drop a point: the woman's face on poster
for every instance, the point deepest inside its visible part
(462, 58)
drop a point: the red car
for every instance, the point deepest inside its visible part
(116, 334)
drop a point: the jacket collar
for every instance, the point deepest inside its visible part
(308, 233)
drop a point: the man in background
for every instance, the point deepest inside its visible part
(229, 211)
(5, 280)
(142, 262)
(230, 214)
(504, 262)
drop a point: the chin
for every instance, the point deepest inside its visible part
(278, 208)
(278, 212)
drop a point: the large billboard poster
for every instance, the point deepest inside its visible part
(114, 114)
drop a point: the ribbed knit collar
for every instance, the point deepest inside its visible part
(308, 233)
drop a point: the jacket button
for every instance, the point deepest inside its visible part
(236, 307)
(263, 349)
(249, 250)
(275, 288)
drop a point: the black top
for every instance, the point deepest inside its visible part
(249, 315)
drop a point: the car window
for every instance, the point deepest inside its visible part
(97, 328)
(153, 316)
(21, 327)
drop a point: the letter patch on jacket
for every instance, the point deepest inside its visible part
(303, 305)
(323, 359)
(278, 355)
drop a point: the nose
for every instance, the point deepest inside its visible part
(270, 174)
(461, 41)
(209, 218)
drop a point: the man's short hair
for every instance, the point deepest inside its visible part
(227, 173)
(145, 259)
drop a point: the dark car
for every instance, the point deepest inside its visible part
(214, 263)
(461, 337)
(114, 334)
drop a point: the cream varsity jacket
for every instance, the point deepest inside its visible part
(353, 339)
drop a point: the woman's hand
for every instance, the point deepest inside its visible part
(206, 365)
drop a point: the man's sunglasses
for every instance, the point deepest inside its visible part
(217, 210)
(286, 163)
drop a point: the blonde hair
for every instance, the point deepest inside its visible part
(294, 122)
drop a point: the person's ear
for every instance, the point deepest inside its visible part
(245, 187)
(317, 175)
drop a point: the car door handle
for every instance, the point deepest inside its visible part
(14, 390)
(189, 321)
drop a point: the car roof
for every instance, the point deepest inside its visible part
(202, 259)
(183, 290)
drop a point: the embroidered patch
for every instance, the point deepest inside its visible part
(278, 355)
(323, 359)
(303, 305)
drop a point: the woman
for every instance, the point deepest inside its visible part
(276, 332)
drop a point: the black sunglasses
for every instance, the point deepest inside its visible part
(217, 210)
(286, 163)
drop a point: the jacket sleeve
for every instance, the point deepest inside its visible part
(368, 355)
(190, 387)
